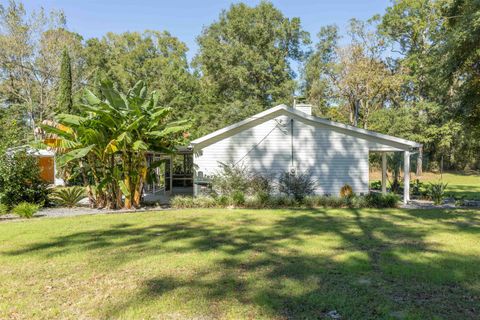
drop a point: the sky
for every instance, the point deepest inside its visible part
(186, 18)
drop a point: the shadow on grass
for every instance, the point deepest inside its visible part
(303, 264)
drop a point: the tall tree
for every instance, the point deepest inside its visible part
(65, 98)
(459, 53)
(353, 77)
(244, 59)
(411, 25)
(29, 64)
(157, 57)
(319, 66)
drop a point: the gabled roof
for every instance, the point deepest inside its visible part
(285, 110)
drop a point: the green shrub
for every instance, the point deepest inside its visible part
(296, 185)
(378, 200)
(263, 197)
(334, 202)
(310, 201)
(358, 202)
(204, 202)
(376, 185)
(436, 192)
(346, 191)
(182, 202)
(323, 201)
(20, 180)
(260, 184)
(25, 209)
(238, 198)
(264, 200)
(223, 201)
(3, 209)
(418, 188)
(283, 201)
(68, 197)
(253, 202)
(231, 178)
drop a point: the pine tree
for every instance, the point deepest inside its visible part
(65, 101)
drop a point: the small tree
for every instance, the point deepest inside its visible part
(20, 180)
(297, 185)
(65, 101)
(230, 178)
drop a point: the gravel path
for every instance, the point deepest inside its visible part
(77, 211)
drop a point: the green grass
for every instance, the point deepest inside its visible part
(459, 185)
(236, 264)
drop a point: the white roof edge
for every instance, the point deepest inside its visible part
(238, 124)
(283, 108)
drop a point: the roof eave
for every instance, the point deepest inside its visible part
(284, 109)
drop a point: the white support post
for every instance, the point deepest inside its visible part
(406, 177)
(384, 172)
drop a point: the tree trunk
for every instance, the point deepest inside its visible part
(91, 197)
(420, 162)
(128, 197)
(137, 198)
(355, 120)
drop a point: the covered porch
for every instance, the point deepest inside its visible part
(172, 174)
(406, 155)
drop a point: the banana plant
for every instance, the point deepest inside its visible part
(113, 136)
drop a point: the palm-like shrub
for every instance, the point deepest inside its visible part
(25, 209)
(436, 192)
(68, 197)
(3, 209)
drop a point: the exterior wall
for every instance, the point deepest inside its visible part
(332, 158)
(47, 169)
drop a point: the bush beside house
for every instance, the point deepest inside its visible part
(236, 186)
(374, 200)
(20, 180)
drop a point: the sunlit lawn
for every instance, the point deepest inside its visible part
(459, 184)
(236, 264)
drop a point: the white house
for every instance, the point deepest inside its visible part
(284, 138)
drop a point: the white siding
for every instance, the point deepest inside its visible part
(333, 158)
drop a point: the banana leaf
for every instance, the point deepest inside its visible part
(73, 155)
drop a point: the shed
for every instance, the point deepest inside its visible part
(291, 139)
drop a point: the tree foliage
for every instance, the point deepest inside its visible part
(110, 141)
(65, 96)
(244, 59)
(156, 57)
(20, 180)
(29, 64)
(411, 72)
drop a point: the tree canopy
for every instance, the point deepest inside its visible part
(411, 71)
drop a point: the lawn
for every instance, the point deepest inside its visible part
(459, 184)
(466, 185)
(236, 264)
